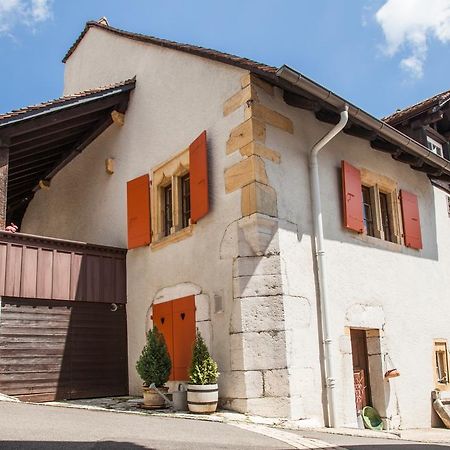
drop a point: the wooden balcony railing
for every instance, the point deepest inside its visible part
(47, 268)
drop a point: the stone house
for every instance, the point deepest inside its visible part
(199, 164)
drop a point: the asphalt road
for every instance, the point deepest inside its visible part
(39, 427)
(35, 427)
(363, 443)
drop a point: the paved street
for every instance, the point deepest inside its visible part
(38, 427)
(360, 443)
(33, 427)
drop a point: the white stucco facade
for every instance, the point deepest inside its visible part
(254, 277)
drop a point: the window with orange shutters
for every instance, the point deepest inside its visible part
(370, 204)
(176, 321)
(180, 193)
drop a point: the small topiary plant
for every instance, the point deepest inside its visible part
(203, 368)
(154, 364)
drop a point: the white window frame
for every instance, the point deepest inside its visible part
(435, 146)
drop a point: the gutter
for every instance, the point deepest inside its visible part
(328, 345)
(383, 129)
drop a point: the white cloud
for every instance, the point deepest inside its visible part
(25, 12)
(408, 25)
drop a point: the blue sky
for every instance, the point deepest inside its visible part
(378, 54)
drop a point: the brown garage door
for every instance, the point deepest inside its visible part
(51, 349)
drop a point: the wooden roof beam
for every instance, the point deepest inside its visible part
(327, 116)
(44, 141)
(42, 152)
(57, 117)
(427, 119)
(385, 146)
(359, 131)
(299, 101)
(58, 128)
(101, 127)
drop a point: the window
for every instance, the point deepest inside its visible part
(179, 194)
(378, 212)
(441, 362)
(367, 211)
(385, 216)
(434, 146)
(185, 201)
(372, 205)
(168, 215)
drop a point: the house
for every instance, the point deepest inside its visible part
(192, 166)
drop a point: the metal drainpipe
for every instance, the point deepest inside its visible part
(321, 266)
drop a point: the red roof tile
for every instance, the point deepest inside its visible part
(416, 109)
(64, 99)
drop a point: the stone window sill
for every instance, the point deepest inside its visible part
(174, 237)
(379, 243)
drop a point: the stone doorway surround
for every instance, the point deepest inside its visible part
(382, 390)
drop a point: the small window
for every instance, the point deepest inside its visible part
(434, 146)
(368, 211)
(385, 216)
(168, 222)
(185, 201)
(377, 213)
(441, 360)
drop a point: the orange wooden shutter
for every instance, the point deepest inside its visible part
(198, 168)
(138, 209)
(183, 336)
(411, 220)
(163, 320)
(352, 198)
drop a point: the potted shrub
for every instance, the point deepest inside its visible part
(154, 366)
(202, 392)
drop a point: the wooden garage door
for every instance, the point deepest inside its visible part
(52, 350)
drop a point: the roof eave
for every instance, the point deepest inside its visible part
(384, 130)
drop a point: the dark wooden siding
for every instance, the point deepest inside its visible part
(36, 267)
(61, 350)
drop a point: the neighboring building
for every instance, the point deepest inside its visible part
(210, 152)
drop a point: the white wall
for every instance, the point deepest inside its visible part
(177, 96)
(372, 284)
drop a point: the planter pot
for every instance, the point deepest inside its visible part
(392, 374)
(152, 399)
(202, 398)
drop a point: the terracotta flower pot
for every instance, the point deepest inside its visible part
(392, 373)
(202, 398)
(152, 399)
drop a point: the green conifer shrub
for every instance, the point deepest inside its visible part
(203, 368)
(154, 364)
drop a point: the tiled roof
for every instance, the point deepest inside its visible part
(63, 100)
(417, 108)
(226, 58)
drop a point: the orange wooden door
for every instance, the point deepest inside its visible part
(183, 336)
(162, 319)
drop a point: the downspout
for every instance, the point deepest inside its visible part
(321, 264)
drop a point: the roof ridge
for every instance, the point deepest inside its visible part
(63, 98)
(210, 53)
